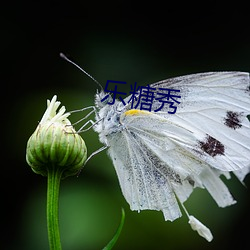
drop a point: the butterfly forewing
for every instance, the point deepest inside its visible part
(216, 105)
(139, 171)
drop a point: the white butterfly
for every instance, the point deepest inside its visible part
(160, 157)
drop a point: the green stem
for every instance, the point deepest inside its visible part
(54, 177)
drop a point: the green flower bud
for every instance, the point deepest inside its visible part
(55, 144)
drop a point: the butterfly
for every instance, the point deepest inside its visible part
(160, 157)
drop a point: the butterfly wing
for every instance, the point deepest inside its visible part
(215, 105)
(160, 155)
(142, 185)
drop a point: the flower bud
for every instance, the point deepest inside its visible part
(55, 144)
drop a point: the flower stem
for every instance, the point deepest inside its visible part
(53, 185)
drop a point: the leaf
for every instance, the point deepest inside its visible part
(117, 234)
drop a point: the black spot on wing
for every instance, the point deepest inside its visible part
(233, 119)
(191, 181)
(212, 146)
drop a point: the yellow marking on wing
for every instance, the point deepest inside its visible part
(137, 112)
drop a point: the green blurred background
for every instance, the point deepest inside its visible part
(128, 41)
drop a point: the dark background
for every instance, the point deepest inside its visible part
(128, 41)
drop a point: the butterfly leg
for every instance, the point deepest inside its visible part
(95, 152)
(82, 128)
(91, 155)
(86, 116)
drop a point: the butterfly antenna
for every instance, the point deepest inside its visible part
(68, 60)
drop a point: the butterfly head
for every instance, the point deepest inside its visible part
(101, 100)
